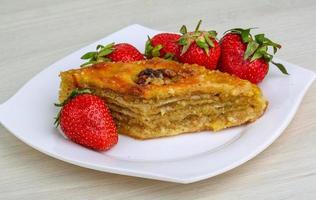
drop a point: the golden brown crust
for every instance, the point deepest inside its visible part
(121, 78)
(191, 98)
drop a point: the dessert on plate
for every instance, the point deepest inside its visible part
(183, 83)
(158, 97)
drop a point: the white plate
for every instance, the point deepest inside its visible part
(184, 159)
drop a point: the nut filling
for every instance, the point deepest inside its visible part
(155, 76)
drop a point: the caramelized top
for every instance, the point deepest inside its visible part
(135, 79)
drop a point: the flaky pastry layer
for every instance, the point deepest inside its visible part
(194, 99)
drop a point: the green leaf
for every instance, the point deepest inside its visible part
(209, 41)
(88, 63)
(79, 91)
(256, 56)
(207, 50)
(183, 30)
(251, 48)
(201, 43)
(234, 30)
(259, 53)
(151, 51)
(263, 48)
(262, 40)
(245, 35)
(169, 56)
(268, 42)
(111, 45)
(213, 34)
(95, 57)
(186, 47)
(148, 48)
(88, 55)
(76, 92)
(99, 46)
(194, 35)
(58, 104)
(156, 50)
(259, 38)
(105, 51)
(198, 26)
(183, 41)
(57, 119)
(103, 59)
(281, 67)
(268, 57)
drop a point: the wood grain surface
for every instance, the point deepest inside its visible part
(35, 33)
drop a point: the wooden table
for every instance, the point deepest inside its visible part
(34, 34)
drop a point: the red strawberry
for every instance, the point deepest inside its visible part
(247, 57)
(163, 45)
(125, 52)
(113, 52)
(199, 47)
(86, 120)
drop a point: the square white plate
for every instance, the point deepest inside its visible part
(186, 158)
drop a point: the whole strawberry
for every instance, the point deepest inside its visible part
(113, 52)
(199, 47)
(86, 120)
(246, 56)
(163, 45)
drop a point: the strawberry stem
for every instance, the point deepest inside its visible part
(198, 26)
(258, 47)
(204, 39)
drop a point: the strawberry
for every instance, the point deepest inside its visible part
(86, 120)
(246, 56)
(125, 52)
(199, 47)
(113, 52)
(163, 45)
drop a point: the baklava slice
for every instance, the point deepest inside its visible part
(156, 98)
